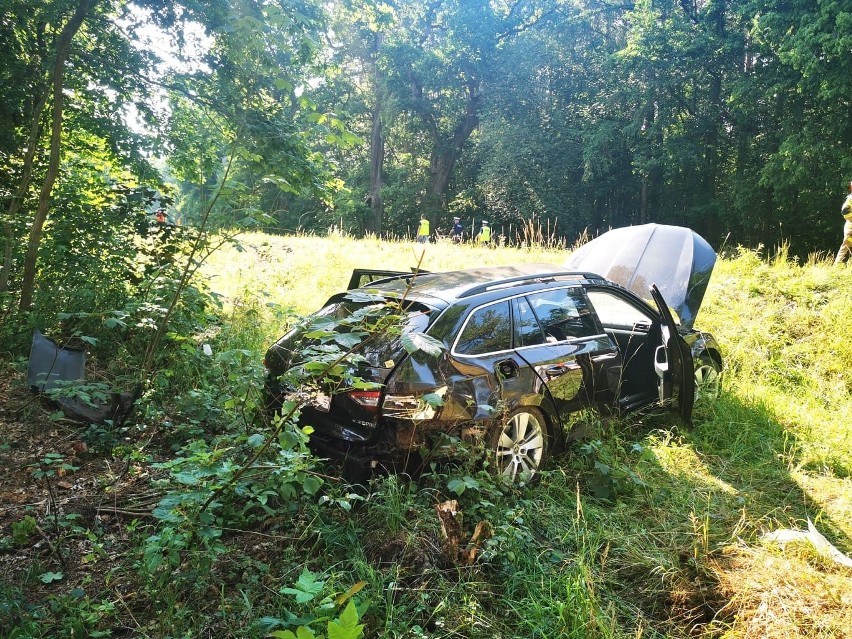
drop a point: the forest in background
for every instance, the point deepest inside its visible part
(560, 118)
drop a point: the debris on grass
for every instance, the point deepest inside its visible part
(812, 536)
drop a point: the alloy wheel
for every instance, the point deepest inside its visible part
(520, 446)
(708, 380)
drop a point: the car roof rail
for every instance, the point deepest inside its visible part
(526, 279)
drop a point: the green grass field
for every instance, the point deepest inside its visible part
(674, 548)
(646, 529)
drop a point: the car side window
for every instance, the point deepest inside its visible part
(616, 312)
(563, 314)
(527, 329)
(488, 330)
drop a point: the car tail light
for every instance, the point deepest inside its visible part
(400, 405)
(413, 406)
(366, 399)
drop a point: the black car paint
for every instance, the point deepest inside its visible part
(556, 378)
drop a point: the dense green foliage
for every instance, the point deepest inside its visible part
(554, 117)
(642, 530)
(104, 101)
(730, 117)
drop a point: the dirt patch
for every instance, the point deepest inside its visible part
(64, 509)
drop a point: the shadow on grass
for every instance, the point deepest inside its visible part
(746, 447)
(684, 498)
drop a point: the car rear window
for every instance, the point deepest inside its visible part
(347, 314)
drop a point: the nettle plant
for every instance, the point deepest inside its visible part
(246, 477)
(316, 608)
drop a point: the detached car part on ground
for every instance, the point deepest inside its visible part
(523, 349)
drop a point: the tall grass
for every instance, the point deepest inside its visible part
(301, 272)
(675, 550)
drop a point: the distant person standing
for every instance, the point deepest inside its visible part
(484, 236)
(846, 246)
(457, 234)
(423, 230)
(160, 216)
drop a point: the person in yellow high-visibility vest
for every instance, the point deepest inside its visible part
(484, 236)
(423, 230)
(846, 246)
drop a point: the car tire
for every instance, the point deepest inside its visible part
(518, 445)
(708, 379)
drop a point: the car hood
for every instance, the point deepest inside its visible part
(676, 259)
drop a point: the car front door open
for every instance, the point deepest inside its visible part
(673, 363)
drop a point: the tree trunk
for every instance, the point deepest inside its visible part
(710, 223)
(71, 27)
(445, 152)
(377, 150)
(440, 169)
(21, 192)
(32, 147)
(377, 155)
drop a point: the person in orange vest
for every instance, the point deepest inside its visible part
(423, 229)
(846, 246)
(160, 216)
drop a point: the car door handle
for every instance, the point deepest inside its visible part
(661, 360)
(602, 357)
(559, 369)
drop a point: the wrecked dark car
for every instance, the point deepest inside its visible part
(523, 348)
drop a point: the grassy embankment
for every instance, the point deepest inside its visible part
(676, 549)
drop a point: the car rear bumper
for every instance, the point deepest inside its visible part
(361, 452)
(361, 461)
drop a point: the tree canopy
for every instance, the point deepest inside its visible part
(729, 116)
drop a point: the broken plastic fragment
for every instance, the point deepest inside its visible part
(821, 545)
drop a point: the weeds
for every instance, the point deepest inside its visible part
(639, 530)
